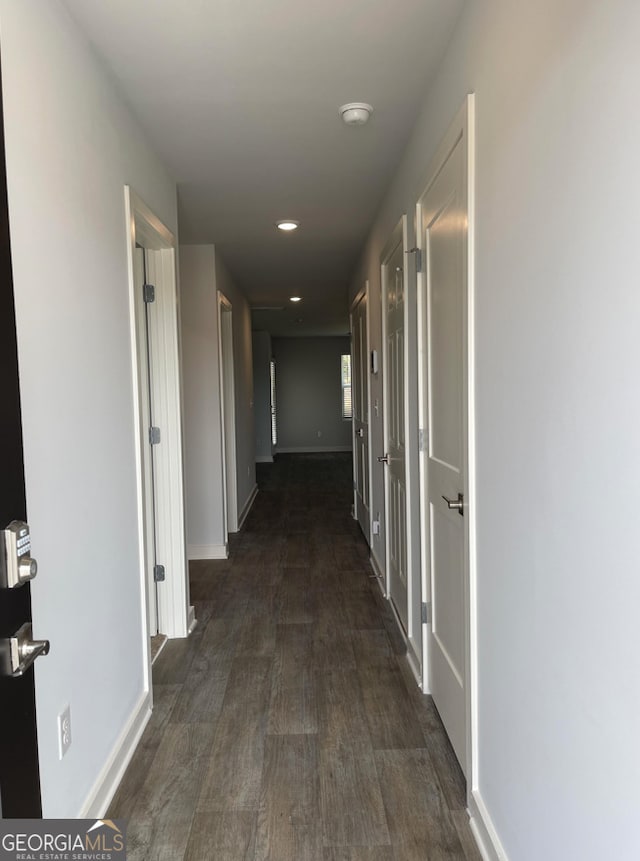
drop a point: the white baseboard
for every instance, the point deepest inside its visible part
(414, 662)
(207, 551)
(264, 458)
(399, 624)
(412, 659)
(313, 449)
(377, 570)
(103, 790)
(247, 507)
(484, 831)
(191, 620)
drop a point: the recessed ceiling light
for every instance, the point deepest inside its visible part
(356, 113)
(288, 224)
(295, 298)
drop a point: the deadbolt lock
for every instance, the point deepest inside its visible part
(16, 565)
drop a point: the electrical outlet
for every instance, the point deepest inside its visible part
(64, 731)
(319, 434)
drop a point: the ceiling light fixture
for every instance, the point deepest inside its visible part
(356, 113)
(295, 298)
(288, 225)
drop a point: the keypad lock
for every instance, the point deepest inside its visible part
(16, 564)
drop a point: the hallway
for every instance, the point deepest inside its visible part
(287, 727)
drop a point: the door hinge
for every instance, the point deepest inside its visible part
(426, 612)
(149, 293)
(418, 257)
(154, 435)
(158, 573)
(422, 442)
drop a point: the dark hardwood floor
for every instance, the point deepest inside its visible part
(288, 726)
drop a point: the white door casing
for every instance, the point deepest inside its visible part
(149, 512)
(446, 461)
(173, 612)
(360, 399)
(394, 283)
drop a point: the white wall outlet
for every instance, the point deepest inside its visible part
(64, 731)
(319, 434)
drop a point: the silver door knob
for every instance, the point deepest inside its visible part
(384, 459)
(456, 504)
(18, 653)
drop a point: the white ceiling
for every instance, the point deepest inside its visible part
(241, 98)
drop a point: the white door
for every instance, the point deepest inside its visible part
(148, 480)
(393, 299)
(158, 403)
(443, 219)
(360, 400)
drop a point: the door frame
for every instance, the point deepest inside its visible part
(463, 127)
(363, 293)
(414, 591)
(175, 617)
(399, 235)
(228, 414)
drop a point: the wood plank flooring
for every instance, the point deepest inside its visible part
(288, 727)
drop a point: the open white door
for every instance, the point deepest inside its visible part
(146, 421)
(154, 334)
(360, 401)
(394, 458)
(443, 218)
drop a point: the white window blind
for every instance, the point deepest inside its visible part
(274, 426)
(347, 406)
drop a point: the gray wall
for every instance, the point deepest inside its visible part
(308, 394)
(243, 378)
(71, 146)
(202, 274)
(202, 415)
(262, 395)
(557, 357)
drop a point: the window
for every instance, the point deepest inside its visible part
(274, 429)
(347, 406)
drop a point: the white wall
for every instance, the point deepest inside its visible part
(71, 147)
(262, 395)
(202, 416)
(202, 274)
(557, 357)
(308, 394)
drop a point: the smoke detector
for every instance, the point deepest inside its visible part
(356, 113)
